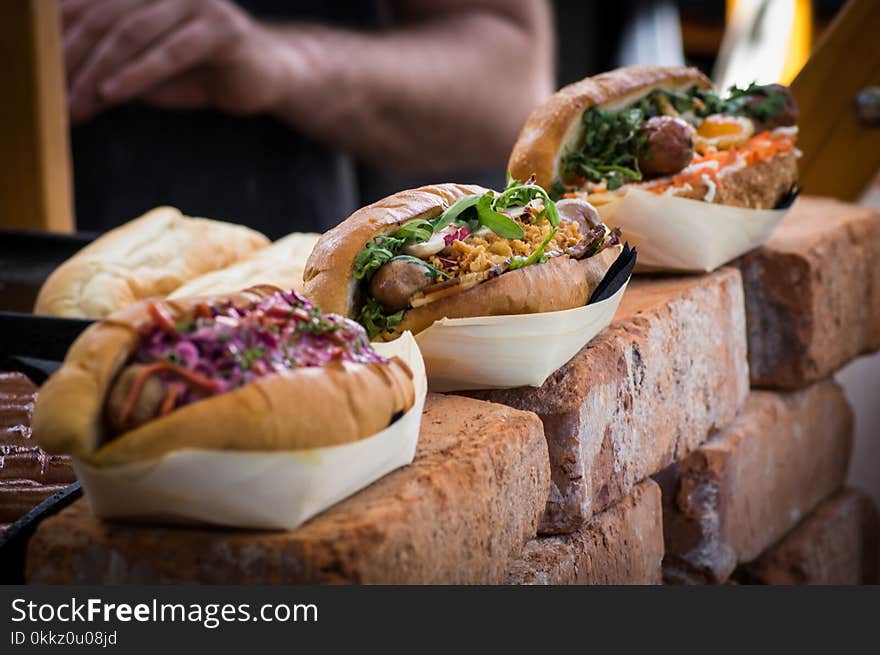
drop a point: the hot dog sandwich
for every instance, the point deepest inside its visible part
(452, 250)
(664, 130)
(260, 370)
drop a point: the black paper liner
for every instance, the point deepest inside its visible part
(617, 275)
(13, 542)
(787, 200)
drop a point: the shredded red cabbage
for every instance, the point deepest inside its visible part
(458, 233)
(232, 346)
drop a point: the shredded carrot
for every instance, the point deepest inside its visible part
(158, 314)
(174, 392)
(137, 386)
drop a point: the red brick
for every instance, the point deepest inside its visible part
(745, 488)
(670, 370)
(460, 513)
(622, 545)
(836, 544)
(813, 293)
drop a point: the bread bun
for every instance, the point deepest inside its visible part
(557, 123)
(150, 256)
(308, 407)
(560, 283)
(281, 265)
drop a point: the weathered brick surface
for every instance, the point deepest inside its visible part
(27, 474)
(459, 514)
(622, 545)
(670, 370)
(836, 544)
(813, 293)
(745, 488)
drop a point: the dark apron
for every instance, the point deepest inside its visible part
(255, 171)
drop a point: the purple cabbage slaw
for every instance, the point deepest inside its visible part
(235, 346)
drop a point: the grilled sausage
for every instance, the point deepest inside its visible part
(395, 283)
(668, 148)
(146, 407)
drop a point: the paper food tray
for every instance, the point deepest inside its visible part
(496, 352)
(270, 490)
(685, 235)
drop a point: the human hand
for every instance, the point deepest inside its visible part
(177, 54)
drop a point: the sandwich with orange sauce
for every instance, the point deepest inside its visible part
(664, 130)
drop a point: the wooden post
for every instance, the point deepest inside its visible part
(841, 153)
(35, 188)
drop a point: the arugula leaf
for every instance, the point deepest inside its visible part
(418, 230)
(432, 271)
(536, 256)
(454, 211)
(519, 194)
(374, 319)
(500, 224)
(376, 253)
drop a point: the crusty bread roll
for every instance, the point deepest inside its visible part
(149, 256)
(280, 265)
(560, 283)
(557, 123)
(298, 409)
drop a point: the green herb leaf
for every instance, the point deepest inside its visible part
(500, 224)
(374, 319)
(376, 253)
(432, 271)
(250, 355)
(418, 230)
(519, 194)
(536, 257)
(611, 148)
(454, 211)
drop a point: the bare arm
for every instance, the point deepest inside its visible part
(451, 85)
(448, 85)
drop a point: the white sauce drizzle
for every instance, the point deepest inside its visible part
(710, 186)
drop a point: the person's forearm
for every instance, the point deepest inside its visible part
(449, 92)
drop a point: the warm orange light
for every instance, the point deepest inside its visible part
(800, 41)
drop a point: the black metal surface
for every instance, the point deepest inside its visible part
(26, 260)
(617, 275)
(36, 369)
(13, 542)
(40, 337)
